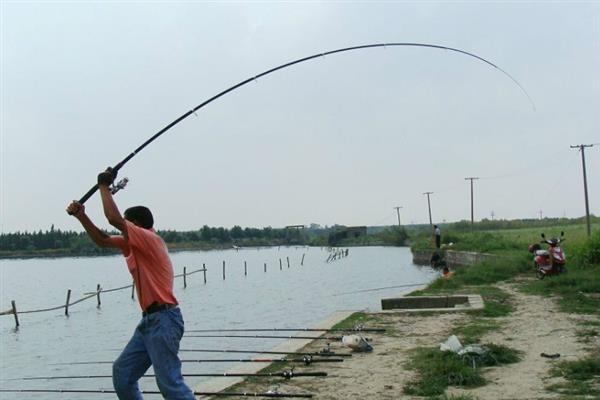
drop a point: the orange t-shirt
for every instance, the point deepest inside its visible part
(149, 264)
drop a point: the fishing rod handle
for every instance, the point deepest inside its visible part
(115, 169)
(89, 194)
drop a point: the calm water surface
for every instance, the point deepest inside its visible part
(298, 296)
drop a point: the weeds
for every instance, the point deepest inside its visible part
(438, 369)
(582, 376)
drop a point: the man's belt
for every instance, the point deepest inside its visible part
(156, 307)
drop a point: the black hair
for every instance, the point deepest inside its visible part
(140, 215)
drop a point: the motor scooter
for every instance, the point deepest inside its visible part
(551, 261)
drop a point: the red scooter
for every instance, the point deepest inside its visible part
(551, 261)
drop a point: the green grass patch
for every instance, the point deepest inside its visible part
(586, 335)
(438, 369)
(357, 319)
(589, 323)
(582, 376)
(579, 290)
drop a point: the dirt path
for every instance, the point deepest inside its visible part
(535, 326)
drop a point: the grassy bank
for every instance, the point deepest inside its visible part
(578, 291)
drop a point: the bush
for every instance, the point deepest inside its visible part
(588, 253)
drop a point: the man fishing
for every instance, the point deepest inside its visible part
(156, 338)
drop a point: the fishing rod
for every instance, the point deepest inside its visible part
(287, 374)
(326, 352)
(336, 338)
(306, 360)
(356, 329)
(221, 394)
(121, 163)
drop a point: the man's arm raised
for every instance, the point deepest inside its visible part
(111, 211)
(77, 210)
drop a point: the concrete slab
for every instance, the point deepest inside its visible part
(291, 345)
(408, 304)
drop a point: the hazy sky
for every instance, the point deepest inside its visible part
(341, 139)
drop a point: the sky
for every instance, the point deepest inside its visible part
(341, 139)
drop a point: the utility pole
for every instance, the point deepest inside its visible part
(472, 216)
(398, 211)
(429, 207)
(581, 148)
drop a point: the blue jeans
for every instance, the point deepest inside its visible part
(155, 342)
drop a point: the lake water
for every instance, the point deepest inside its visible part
(298, 296)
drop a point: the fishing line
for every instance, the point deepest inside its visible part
(120, 164)
(381, 288)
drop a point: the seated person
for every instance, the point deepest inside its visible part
(446, 273)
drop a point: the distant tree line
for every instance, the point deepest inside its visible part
(59, 242)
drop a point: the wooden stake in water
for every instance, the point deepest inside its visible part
(245, 269)
(288, 261)
(14, 311)
(302, 262)
(223, 269)
(67, 304)
(98, 289)
(132, 290)
(184, 278)
(204, 268)
(265, 267)
(280, 268)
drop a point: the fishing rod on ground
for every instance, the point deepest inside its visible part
(306, 360)
(333, 338)
(287, 374)
(152, 392)
(120, 164)
(355, 329)
(325, 352)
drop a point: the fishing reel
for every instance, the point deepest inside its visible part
(307, 360)
(327, 350)
(115, 187)
(288, 374)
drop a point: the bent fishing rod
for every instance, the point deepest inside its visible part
(219, 394)
(121, 163)
(306, 360)
(288, 374)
